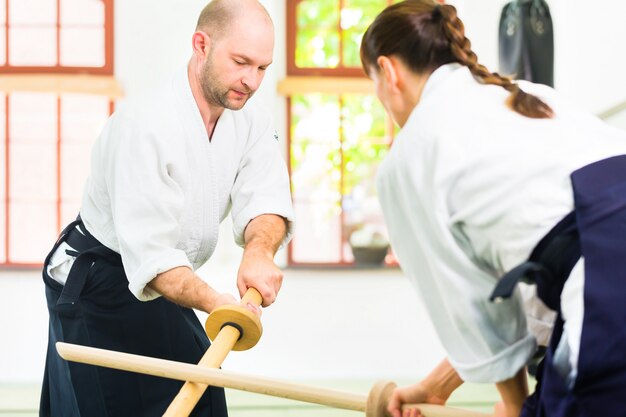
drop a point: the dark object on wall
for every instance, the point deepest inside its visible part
(526, 41)
(369, 255)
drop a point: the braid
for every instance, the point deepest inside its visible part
(521, 102)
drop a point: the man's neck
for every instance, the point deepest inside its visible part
(210, 113)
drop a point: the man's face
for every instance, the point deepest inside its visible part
(236, 64)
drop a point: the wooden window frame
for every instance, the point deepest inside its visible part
(107, 69)
(292, 69)
(59, 80)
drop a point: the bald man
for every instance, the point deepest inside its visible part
(166, 170)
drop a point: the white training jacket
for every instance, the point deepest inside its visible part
(159, 188)
(468, 188)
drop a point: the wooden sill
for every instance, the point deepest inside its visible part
(328, 85)
(101, 85)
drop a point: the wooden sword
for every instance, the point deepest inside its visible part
(374, 404)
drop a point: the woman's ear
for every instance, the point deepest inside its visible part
(389, 72)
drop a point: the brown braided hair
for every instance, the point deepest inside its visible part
(427, 35)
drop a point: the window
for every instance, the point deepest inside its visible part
(336, 142)
(65, 36)
(56, 91)
(338, 131)
(324, 36)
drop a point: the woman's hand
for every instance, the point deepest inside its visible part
(412, 394)
(501, 410)
(513, 392)
(436, 388)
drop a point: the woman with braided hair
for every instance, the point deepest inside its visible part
(490, 182)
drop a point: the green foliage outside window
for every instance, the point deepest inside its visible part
(355, 18)
(317, 38)
(324, 30)
(337, 141)
(365, 142)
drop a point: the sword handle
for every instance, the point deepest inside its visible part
(231, 327)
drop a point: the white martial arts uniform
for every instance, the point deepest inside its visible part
(159, 188)
(468, 189)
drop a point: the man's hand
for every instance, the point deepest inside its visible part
(263, 236)
(259, 271)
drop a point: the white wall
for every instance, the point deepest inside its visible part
(589, 63)
(326, 324)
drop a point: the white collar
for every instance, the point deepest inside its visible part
(438, 76)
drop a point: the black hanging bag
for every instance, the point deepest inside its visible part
(526, 41)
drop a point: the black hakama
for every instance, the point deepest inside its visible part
(595, 230)
(95, 308)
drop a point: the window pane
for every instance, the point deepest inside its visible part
(351, 47)
(317, 37)
(82, 47)
(33, 118)
(337, 144)
(33, 182)
(365, 144)
(33, 231)
(82, 12)
(2, 36)
(32, 12)
(316, 177)
(317, 13)
(32, 153)
(69, 211)
(337, 141)
(3, 49)
(2, 179)
(315, 147)
(32, 46)
(356, 16)
(317, 236)
(315, 117)
(317, 48)
(82, 119)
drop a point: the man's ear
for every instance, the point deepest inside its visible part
(389, 71)
(201, 44)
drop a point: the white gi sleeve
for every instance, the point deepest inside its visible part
(485, 341)
(262, 182)
(146, 204)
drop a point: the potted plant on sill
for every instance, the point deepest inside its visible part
(369, 246)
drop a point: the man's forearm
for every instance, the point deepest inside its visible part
(182, 286)
(265, 234)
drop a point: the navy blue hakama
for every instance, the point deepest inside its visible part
(95, 308)
(595, 230)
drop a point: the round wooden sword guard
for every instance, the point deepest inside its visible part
(239, 317)
(378, 398)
